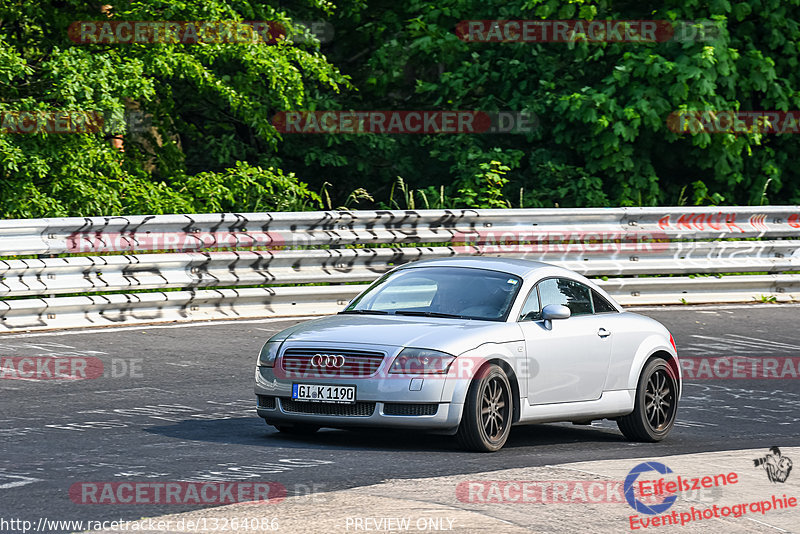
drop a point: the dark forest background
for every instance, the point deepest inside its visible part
(194, 132)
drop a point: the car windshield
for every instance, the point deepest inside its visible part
(441, 292)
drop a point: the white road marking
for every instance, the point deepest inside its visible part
(131, 390)
(767, 525)
(231, 471)
(564, 467)
(21, 481)
(685, 308)
(693, 424)
(734, 343)
(763, 341)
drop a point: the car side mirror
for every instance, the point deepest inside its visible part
(555, 311)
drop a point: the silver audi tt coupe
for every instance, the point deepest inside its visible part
(472, 346)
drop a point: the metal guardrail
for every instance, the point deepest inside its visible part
(142, 269)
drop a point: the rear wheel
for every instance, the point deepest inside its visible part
(486, 421)
(656, 404)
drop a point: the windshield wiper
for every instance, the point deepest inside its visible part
(366, 312)
(431, 314)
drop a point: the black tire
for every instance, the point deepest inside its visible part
(297, 429)
(656, 404)
(486, 421)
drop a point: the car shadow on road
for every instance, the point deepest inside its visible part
(253, 431)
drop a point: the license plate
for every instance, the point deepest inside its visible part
(324, 393)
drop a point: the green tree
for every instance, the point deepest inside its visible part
(602, 108)
(603, 137)
(209, 144)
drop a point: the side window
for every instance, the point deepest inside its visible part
(574, 295)
(601, 305)
(530, 310)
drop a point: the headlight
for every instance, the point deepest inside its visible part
(268, 354)
(421, 361)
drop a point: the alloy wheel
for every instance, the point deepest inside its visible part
(659, 400)
(494, 408)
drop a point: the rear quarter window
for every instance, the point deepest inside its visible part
(601, 305)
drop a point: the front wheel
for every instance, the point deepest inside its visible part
(486, 421)
(656, 404)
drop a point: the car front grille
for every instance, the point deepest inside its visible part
(297, 363)
(266, 402)
(359, 409)
(410, 409)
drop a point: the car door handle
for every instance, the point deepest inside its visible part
(603, 332)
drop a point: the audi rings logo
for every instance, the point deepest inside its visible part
(329, 361)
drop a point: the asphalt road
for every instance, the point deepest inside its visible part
(181, 408)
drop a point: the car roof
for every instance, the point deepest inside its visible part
(516, 266)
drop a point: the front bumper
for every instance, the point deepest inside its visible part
(424, 402)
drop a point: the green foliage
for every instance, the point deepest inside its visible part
(602, 108)
(602, 137)
(247, 189)
(702, 196)
(429, 198)
(485, 190)
(209, 107)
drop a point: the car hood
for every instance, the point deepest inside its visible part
(453, 336)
